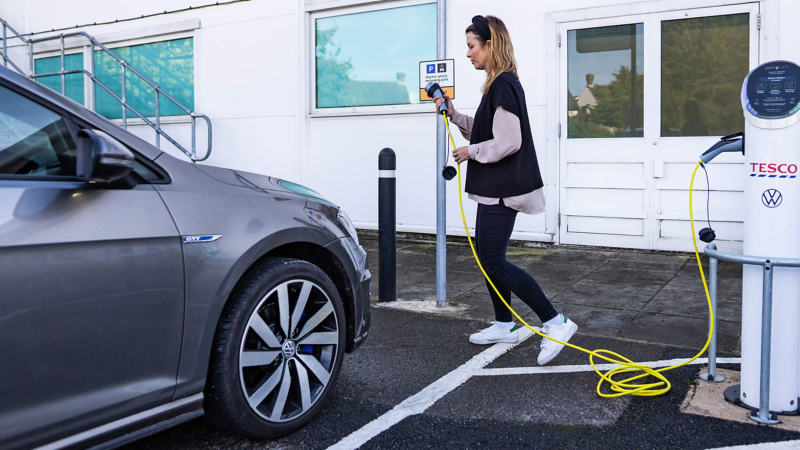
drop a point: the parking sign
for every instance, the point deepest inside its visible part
(442, 72)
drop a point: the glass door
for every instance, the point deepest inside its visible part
(702, 58)
(641, 98)
(604, 116)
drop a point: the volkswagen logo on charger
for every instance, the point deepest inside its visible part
(771, 198)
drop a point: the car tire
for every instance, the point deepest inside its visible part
(261, 383)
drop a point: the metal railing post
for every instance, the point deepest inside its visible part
(94, 83)
(763, 415)
(124, 100)
(158, 120)
(194, 137)
(63, 69)
(713, 272)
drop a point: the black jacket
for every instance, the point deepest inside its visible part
(518, 173)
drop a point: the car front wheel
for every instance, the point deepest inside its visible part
(277, 351)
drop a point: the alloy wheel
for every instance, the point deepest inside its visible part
(288, 350)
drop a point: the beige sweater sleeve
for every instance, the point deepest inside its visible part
(507, 139)
(463, 122)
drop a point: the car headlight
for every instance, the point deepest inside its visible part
(347, 224)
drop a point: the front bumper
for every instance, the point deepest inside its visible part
(361, 300)
(359, 276)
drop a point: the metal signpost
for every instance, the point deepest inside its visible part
(442, 72)
(441, 188)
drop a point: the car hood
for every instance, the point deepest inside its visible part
(260, 182)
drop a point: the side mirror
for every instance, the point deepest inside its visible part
(101, 158)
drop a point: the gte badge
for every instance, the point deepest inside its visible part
(771, 198)
(201, 239)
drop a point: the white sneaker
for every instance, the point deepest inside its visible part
(495, 334)
(563, 332)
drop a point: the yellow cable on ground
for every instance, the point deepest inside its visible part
(619, 387)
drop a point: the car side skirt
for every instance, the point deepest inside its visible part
(134, 427)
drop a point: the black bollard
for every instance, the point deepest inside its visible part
(387, 219)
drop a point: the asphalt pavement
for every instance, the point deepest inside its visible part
(431, 388)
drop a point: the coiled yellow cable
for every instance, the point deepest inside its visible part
(619, 387)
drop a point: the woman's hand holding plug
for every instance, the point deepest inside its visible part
(440, 100)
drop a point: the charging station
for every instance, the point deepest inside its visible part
(772, 229)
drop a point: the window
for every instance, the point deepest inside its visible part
(372, 58)
(703, 63)
(33, 140)
(74, 81)
(169, 64)
(605, 82)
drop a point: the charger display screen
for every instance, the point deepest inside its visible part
(771, 90)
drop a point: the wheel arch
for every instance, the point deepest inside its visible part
(306, 245)
(333, 267)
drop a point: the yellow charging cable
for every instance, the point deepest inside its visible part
(620, 387)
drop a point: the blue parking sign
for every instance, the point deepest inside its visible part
(431, 68)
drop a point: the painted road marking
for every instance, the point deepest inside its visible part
(417, 404)
(785, 445)
(588, 367)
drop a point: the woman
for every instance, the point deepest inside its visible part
(503, 178)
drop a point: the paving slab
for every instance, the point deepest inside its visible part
(592, 320)
(608, 292)
(707, 399)
(616, 296)
(694, 304)
(681, 331)
(481, 305)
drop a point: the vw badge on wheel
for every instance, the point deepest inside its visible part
(288, 349)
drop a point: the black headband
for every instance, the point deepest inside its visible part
(482, 27)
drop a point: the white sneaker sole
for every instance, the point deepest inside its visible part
(480, 340)
(571, 332)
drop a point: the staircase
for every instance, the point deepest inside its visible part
(125, 68)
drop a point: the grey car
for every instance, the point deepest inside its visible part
(139, 291)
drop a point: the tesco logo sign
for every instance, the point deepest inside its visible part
(774, 168)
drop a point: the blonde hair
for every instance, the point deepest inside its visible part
(501, 52)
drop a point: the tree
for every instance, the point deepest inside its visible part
(704, 60)
(337, 86)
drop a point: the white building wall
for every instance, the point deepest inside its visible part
(252, 78)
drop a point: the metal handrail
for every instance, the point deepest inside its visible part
(762, 415)
(95, 81)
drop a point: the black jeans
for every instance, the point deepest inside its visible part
(493, 229)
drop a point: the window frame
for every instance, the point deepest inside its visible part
(83, 46)
(312, 64)
(67, 52)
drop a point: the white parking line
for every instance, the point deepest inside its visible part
(588, 367)
(416, 404)
(785, 445)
